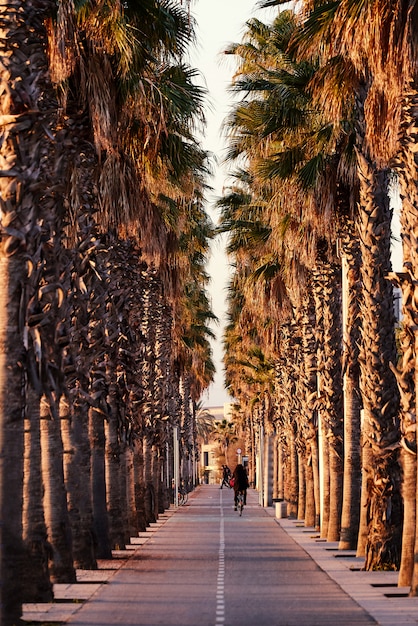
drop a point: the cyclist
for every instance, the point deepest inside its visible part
(240, 483)
(226, 475)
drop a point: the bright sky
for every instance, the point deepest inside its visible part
(219, 23)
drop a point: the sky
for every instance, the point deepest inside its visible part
(219, 23)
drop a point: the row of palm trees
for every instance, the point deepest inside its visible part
(104, 312)
(323, 128)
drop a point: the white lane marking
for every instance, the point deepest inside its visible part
(220, 588)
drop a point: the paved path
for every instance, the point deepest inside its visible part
(202, 564)
(206, 566)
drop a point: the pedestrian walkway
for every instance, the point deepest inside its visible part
(203, 565)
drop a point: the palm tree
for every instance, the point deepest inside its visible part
(155, 154)
(280, 110)
(372, 148)
(37, 586)
(224, 433)
(204, 421)
(386, 300)
(24, 83)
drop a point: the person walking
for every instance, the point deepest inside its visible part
(226, 475)
(241, 484)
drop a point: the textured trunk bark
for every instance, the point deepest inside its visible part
(409, 493)
(113, 459)
(336, 483)
(302, 487)
(351, 299)
(407, 169)
(350, 516)
(378, 384)
(132, 522)
(23, 149)
(280, 469)
(139, 478)
(37, 586)
(316, 480)
(148, 483)
(98, 484)
(55, 499)
(366, 457)
(292, 499)
(325, 483)
(310, 517)
(77, 481)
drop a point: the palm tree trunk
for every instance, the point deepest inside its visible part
(11, 438)
(378, 384)
(293, 486)
(280, 468)
(324, 481)
(407, 170)
(23, 147)
(132, 522)
(55, 498)
(350, 516)
(406, 375)
(310, 512)
(327, 293)
(139, 473)
(98, 484)
(336, 484)
(275, 466)
(156, 478)
(118, 535)
(316, 483)
(37, 586)
(148, 482)
(366, 461)
(409, 493)
(302, 486)
(77, 480)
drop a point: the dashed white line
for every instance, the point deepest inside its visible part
(220, 589)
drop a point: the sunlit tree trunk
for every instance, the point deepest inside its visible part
(293, 487)
(407, 170)
(55, 498)
(328, 301)
(149, 498)
(37, 586)
(406, 375)
(22, 159)
(275, 466)
(378, 384)
(77, 480)
(350, 516)
(315, 472)
(310, 517)
(302, 486)
(409, 494)
(325, 480)
(98, 484)
(113, 460)
(132, 522)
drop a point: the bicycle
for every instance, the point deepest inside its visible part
(240, 502)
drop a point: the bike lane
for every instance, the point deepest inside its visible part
(270, 580)
(207, 566)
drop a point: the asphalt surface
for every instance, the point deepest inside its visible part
(204, 565)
